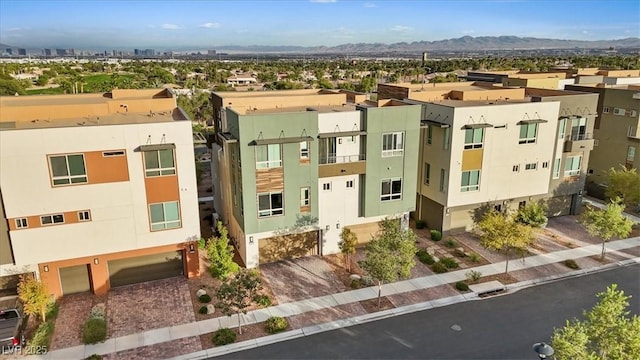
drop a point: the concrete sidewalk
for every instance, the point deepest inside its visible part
(600, 204)
(172, 333)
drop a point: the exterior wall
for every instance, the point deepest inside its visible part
(621, 80)
(6, 254)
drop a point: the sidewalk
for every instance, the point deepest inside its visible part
(173, 333)
(599, 204)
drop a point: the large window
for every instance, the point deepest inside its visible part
(572, 166)
(270, 204)
(391, 189)
(429, 134)
(269, 156)
(562, 127)
(393, 144)
(68, 169)
(473, 138)
(556, 168)
(165, 215)
(446, 138)
(159, 162)
(470, 181)
(579, 129)
(528, 133)
(443, 180)
(427, 173)
(631, 154)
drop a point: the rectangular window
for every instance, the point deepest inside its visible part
(304, 150)
(326, 186)
(113, 153)
(270, 204)
(22, 223)
(427, 173)
(528, 133)
(473, 138)
(522, 204)
(605, 110)
(516, 168)
(497, 207)
(68, 169)
(429, 134)
(572, 166)
(446, 139)
(268, 156)
(391, 189)
(631, 153)
(556, 168)
(619, 111)
(578, 129)
(305, 195)
(84, 215)
(545, 164)
(159, 162)
(349, 184)
(443, 180)
(531, 166)
(562, 127)
(165, 215)
(52, 219)
(470, 181)
(393, 144)
(634, 113)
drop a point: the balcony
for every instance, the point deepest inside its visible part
(579, 142)
(333, 159)
(341, 165)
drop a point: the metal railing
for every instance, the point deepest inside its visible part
(332, 159)
(577, 137)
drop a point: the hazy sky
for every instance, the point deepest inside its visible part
(210, 24)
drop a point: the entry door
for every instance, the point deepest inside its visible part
(75, 279)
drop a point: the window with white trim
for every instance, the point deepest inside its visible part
(429, 134)
(545, 164)
(528, 133)
(633, 113)
(556, 168)
(68, 169)
(393, 144)
(270, 204)
(326, 186)
(446, 140)
(470, 181)
(304, 149)
(473, 138)
(531, 166)
(305, 196)
(268, 156)
(631, 153)
(159, 162)
(84, 215)
(391, 189)
(164, 215)
(22, 223)
(52, 219)
(572, 166)
(562, 127)
(605, 110)
(515, 168)
(619, 111)
(427, 173)
(349, 184)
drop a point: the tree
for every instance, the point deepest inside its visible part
(236, 294)
(606, 332)
(220, 254)
(33, 294)
(533, 214)
(348, 245)
(624, 183)
(390, 254)
(500, 232)
(606, 223)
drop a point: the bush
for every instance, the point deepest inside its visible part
(275, 324)
(473, 275)
(223, 336)
(450, 263)
(450, 243)
(262, 300)
(571, 264)
(436, 235)
(94, 357)
(421, 224)
(98, 312)
(356, 283)
(203, 310)
(533, 214)
(204, 298)
(439, 268)
(462, 286)
(474, 257)
(42, 337)
(425, 257)
(95, 331)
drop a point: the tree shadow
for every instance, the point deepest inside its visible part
(300, 239)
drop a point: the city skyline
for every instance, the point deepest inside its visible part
(210, 24)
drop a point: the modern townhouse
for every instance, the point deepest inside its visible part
(295, 167)
(484, 145)
(97, 190)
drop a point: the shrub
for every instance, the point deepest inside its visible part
(450, 263)
(202, 243)
(204, 298)
(95, 331)
(356, 283)
(439, 268)
(262, 300)
(42, 336)
(421, 224)
(450, 243)
(425, 257)
(94, 357)
(98, 312)
(462, 286)
(473, 275)
(474, 257)
(203, 310)
(275, 324)
(571, 264)
(436, 235)
(223, 336)
(533, 214)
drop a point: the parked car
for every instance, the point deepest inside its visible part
(12, 323)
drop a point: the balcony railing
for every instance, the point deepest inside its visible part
(332, 159)
(578, 137)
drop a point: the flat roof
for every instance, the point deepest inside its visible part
(320, 109)
(471, 103)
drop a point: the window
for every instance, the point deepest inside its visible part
(531, 166)
(429, 135)
(159, 162)
(572, 166)
(305, 195)
(391, 189)
(443, 180)
(446, 139)
(579, 129)
(473, 138)
(522, 204)
(516, 168)
(427, 173)
(556, 168)
(393, 144)
(326, 186)
(562, 127)
(619, 111)
(545, 164)
(268, 156)
(497, 207)
(164, 215)
(22, 223)
(631, 153)
(605, 110)
(52, 219)
(112, 153)
(304, 150)
(68, 169)
(470, 181)
(270, 204)
(528, 133)
(349, 184)
(634, 113)
(84, 215)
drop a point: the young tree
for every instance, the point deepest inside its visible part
(220, 254)
(390, 254)
(34, 296)
(236, 293)
(606, 332)
(348, 245)
(500, 232)
(533, 214)
(606, 223)
(624, 183)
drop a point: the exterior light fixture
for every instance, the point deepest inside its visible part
(96, 261)
(45, 268)
(327, 228)
(250, 239)
(337, 225)
(192, 248)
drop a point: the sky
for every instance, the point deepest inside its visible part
(208, 24)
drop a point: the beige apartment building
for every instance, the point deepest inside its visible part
(485, 145)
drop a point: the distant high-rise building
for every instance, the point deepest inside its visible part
(136, 52)
(211, 52)
(61, 52)
(47, 52)
(22, 52)
(9, 51)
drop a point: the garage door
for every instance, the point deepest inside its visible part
(288, 246)
(364, 232)
(145, 268)
(75, 279)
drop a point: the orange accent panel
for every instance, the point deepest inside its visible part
(106, 169)
(33, 221)
(161, 189)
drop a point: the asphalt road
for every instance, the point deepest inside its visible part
(502, 327)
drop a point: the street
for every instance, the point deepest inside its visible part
(503, 327)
